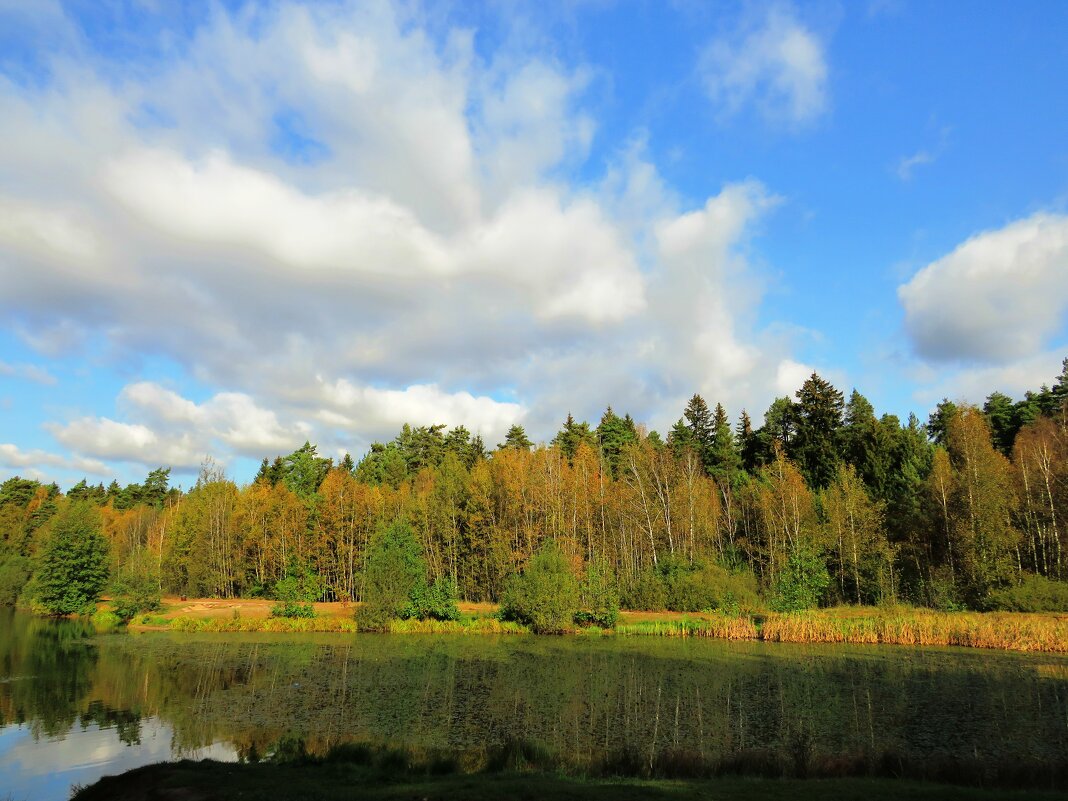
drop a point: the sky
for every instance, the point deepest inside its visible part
(229, 227)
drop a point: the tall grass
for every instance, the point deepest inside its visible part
(478, 625)
(272, 624)
(720, 626)
(1015, 631)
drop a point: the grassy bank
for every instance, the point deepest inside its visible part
(207, 781)
(1016, 631)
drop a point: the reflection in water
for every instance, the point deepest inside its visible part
(578, 698)
(36, 767)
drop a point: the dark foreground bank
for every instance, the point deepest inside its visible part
(207, 781)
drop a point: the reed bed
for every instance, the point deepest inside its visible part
(478, 625)
(270, 624)
(1006, 631)
(723, 627)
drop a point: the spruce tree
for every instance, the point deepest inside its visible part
(819, 420)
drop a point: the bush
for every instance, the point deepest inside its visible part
(395, 567)
(292, 609)
(14, 573)
(1033, 594)
(679, 585)
(545, 596)
(136, 588)
(802, 582)
(435, 601)
(645, 593)
(297, 591)
(599, 596)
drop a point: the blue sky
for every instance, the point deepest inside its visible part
(226, 228)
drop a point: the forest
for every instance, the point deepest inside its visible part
(825, 503)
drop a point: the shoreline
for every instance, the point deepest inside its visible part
(909, 626)
(393, 777)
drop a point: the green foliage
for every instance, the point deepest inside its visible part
(599, 596)
(1033, 594)
(104, 621)
(682, 586)
(395, 567)
(18, 491)
(73, 568)
(136, 587)
(292, 609)
(516, 438)
(304, 470)
(645, 592)
(545, 596)
(802, 582)
(435, 601)
(818, 415)
(297, 591)
(15, 571)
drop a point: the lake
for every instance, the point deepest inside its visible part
(74, 706)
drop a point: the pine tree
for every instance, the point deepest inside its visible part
(748, 443)
(819, 419)
(571, 436)
(699, 421)
(1001, 417)
(613, 434)
(724, 461)
(516, 438)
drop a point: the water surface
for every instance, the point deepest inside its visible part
(74, 706)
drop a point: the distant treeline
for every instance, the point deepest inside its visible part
(825, 500)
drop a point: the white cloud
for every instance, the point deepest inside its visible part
(999, 296)
(779, 65)
(444, 248)
(974, 384)
(13, 457)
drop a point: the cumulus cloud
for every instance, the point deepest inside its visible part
(999, 296)
(18, 459)
(778, 64)
(973, 383)
(339, 219)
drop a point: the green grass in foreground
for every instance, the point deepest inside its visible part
(206, 781)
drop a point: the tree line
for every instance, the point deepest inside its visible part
(824, 503)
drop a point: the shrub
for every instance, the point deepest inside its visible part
(435, 601)
(683, 586)
(645, 592)
(599, 596)
(1033, 594)
(296, 591)
(136, 588)
(395, 567)
(292, 609)
(545, 596)
(802, 582)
